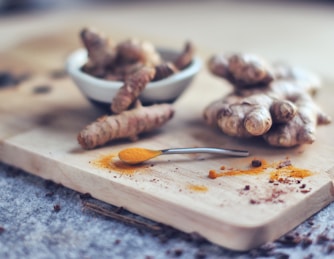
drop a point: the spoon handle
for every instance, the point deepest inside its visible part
(222, 151)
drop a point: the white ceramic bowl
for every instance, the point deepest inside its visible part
(102, 91)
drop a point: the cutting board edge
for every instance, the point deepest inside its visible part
(217, 233)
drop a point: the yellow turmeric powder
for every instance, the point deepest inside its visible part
(252, 170)
(135, 155)
(197, 188)
(281, 172)
(289, 172)
(109, 162)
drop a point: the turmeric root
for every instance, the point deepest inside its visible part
(122, 72)
(185, 58)
(116, 62)
(128, 124)
(135, 63)
(135, 83)
(101, 51)
(131, 89)
(282, 111)
(164, 70)
(134, 50)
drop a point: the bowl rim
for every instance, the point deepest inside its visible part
(79, 57)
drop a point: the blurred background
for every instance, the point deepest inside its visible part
(14, 6)
(291, 30)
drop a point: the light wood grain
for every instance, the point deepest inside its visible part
(38, 134)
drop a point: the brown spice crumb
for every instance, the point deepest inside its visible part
(265, 250)
(290, 240)
(247, 188)
(57, 74)
(256, 163)
(212, 174)
(310, 222)
(41, 89)
(222, 167)
(302, 186)
(49, 194)
(9, 79)
(200, 255)
(330, 249)
(51, 184)
(322, 238)
(284, 164)
(280, 255)
(56, 207)
(305, 191)
(178, 252)
(306, 242)
(252, 201)
(119, 210)
(84, 196)
(6, 79)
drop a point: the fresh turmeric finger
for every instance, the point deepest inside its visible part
(132, 88)
(128, 124)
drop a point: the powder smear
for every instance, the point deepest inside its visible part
(112, 163)
(279, 171)
(197, 188)
(251, 171)
(289, 172)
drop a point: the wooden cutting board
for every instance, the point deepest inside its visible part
(38, 134)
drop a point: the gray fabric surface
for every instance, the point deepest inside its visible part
(41, 219)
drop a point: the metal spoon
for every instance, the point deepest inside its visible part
(138, 155)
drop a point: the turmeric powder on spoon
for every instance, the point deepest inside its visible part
(137, 155)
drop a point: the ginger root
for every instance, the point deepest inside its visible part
(128, 124)
(243, 70)
(272, 101)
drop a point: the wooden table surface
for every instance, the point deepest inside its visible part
(300, 33)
